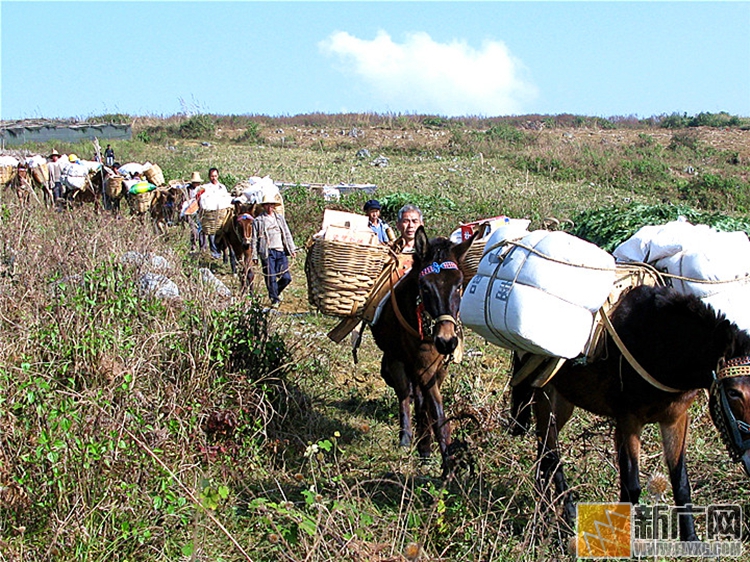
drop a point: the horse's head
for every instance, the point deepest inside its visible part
(245, 228)
(729, 400)
(440, 284)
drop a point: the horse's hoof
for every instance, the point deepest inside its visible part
(405, 440)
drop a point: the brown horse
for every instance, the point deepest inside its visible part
(235, 236)
(165, 208)
(418, 331)
(686, 347)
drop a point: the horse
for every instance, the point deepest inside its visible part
(418, 331)
(236, 235)
(165, 207)
(683, 347)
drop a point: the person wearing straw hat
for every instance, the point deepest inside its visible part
(197, 236)
(55, 175)
(272, 242)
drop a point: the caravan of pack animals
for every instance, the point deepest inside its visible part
(653, 333)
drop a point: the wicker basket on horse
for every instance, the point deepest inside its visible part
(212, 221)
(40, 174)
(113, 187)
(340, 275)
(140, 202)
(6, 173)
(154, 175)
(470, 262)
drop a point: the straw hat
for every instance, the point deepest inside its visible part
(53, 153)
(269, 200)
(196, 178)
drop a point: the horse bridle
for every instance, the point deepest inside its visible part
(425, 323)
(734, 433)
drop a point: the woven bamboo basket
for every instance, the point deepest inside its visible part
(140, 202)
(40, 174)
(6, 173)
(470, 263)
(113, 187)
(340, 275)
(213, 221)
(154, 175)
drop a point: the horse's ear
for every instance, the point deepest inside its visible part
(421, 243)
(464, 246)
(723, 337)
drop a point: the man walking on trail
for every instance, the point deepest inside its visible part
(109, 156)
(55, 176)
(271, 243)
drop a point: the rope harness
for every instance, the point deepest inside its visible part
(734, 433)
(425, 323)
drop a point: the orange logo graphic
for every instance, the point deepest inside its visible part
(603, 530)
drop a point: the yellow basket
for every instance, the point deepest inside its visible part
(140, 202)
(40, 174)
(113, 187)
(6, 173)
(341, 275)
(154, 175)
(213, 221)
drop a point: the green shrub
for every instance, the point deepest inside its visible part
(675, 121)
(608, 227)
(197, 127)
(715, 192)
(251, 135)
(435, 122)
(506, 133)
(721, 119)
(548, 166)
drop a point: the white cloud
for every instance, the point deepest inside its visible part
(424, 76)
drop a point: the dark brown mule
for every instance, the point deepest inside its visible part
(418, 331)
(165, 208)
(236, 236)
(683, 344)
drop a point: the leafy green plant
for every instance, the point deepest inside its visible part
(608, 227)
(251, 134)
(200, 126)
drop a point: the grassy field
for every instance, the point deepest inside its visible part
(135, 429)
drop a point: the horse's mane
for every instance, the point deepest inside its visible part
(671, 301)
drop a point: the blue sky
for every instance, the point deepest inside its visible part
(82, 59)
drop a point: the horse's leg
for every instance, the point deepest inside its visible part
(394, 374)
(522, 396)
(628, 444)
(674, 439)
(423, 422)
(440, 426)
(232, 259)
(552, 413)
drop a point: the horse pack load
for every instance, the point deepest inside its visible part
(539, 293)
(255, 189)
(701, 261)
(513, 228)
(343, 261)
